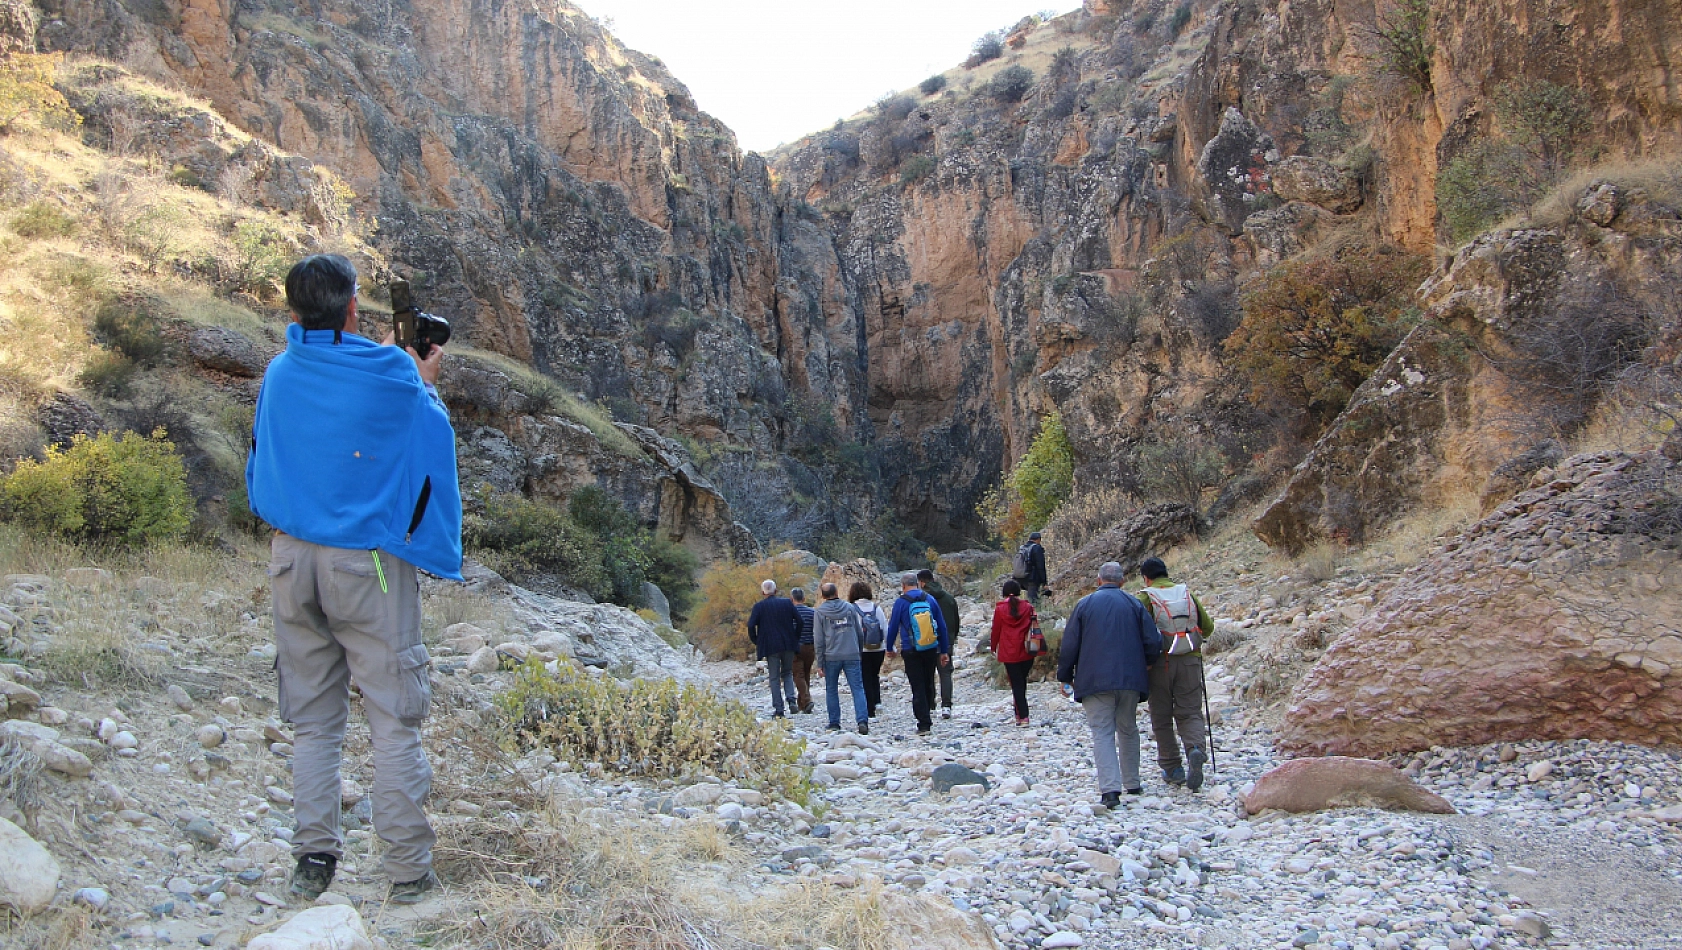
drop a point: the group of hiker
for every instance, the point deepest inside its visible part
(1118, 649)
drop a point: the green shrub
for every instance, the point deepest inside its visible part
(985, 50)
(1009, 85)
(1544, 118)
(661, 729)
(915, 169)
(932, 85)
(129, 326)
(42, 219)
(108, 374)
(1040, 482)
(1177, 469)
(520, 538)
(1404, 42)
(128, 489)
(1180, 20)
(262, 256)
(1482, 185)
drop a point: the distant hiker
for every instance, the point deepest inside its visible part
(774, 628)
(948, 612)
(1177, 680)
(803, 656)
(838, 637)
(1012, 619)
(1027, 567)
(353, 461)
(1109, 644)
(919, 631)
(875, 648)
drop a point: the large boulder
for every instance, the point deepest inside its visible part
(1234, 168)
(227, 351)
(1339, 782)
(28, 872)
(1145, 533)
(1557, 617)
(330, 927)
(1318, 182)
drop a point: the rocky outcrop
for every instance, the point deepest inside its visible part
(1524, 329)
(28, 872)
(1557, 617)
(1146, 533)
(1306, 785)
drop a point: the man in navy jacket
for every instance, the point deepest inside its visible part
(1109, 644)
(353, 463)
(920, 663)
(774, 628)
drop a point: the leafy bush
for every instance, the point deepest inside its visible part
(894, 107)
(108, 374)
(42, 219)
(1180, 20)
(932, 85)
(129, 489)
(915, 169)
(1177, 469)
(1009, 85)
(1482, 185)
(262, 256)
(728, 593)
(1544, 118)
(520, 538)
(985, 50)
(1315, 330)
(27, 92)
(1035, 487)
(648, 728)
(1404, 42)
(129, 326)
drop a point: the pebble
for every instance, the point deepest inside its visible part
(95, 897)
(211, 736)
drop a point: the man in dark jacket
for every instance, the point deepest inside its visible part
(920, 662)
(774, 628)
(949, 613)
(1036, 578)
(1108, 647)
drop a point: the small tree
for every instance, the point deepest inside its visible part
(1009, 85)
(985, 50)
(1404, 42)
(932, 85)
(1046, 473)
(1315, 330)
(1544, 118)
(27, 92)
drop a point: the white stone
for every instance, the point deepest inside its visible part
(701, 793)
(124, 740)
(328, 927)
(1539, 771)
(961, 856)
(28, 872)
(483, 660)
(1064, 938)
(211, 736)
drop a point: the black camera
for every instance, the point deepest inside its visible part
(411, 327)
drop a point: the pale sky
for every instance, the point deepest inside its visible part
(774, 70)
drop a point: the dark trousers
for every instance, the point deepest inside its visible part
(919, 672)
(803, 675)
(1032, 590)
(1176, 700)
(873, 678)
(945, 675)
(1018, 673)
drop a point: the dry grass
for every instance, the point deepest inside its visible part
(562, 402)
(1411, 537)
(1085, 516)
(1662, 180)
(20, 780)
(67, 927)
(452, 604)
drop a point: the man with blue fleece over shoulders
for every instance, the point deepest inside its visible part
(353, 462)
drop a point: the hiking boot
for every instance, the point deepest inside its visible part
(1111, 800)
(313, 875)
(413, 892)
(1194, 775)
(864, 728)
(834, 727)
(1175, 775)
(924, 730)
(1022, 721)
(946, 712)
(1135, 791)
(806, 709)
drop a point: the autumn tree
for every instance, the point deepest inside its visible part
(1315, 330)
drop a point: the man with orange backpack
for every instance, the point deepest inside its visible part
(1176, 697)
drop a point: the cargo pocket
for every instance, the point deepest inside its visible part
(414, 684)
(357, 598)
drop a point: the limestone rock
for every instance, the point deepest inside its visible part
(1305, 785)
(227, 351)
(1144, 533)
(28, 872)
(951, 775)
(1318, 182)
(1234, 167)
(1521, 627)
(329, 927)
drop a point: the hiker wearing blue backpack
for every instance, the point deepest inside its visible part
(919, 631)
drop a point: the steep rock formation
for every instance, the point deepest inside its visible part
(1524, 327)
(1557, 617)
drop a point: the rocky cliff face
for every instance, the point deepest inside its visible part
(881, 323)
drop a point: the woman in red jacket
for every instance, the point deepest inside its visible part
(1013, 617)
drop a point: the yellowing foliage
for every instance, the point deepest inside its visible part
(27, 93)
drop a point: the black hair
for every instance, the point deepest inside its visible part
(1013, 590)
(925, 575)
(1153, 568)
(319, 290)
(797, 594)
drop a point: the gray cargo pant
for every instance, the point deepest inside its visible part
(333, 621)
(1177, 699)
(1111, 717)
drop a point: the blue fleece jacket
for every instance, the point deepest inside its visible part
(899, 624)
(350, 449)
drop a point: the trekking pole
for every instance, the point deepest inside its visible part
(1208, 716)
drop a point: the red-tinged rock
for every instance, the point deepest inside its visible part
(1340, 782)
